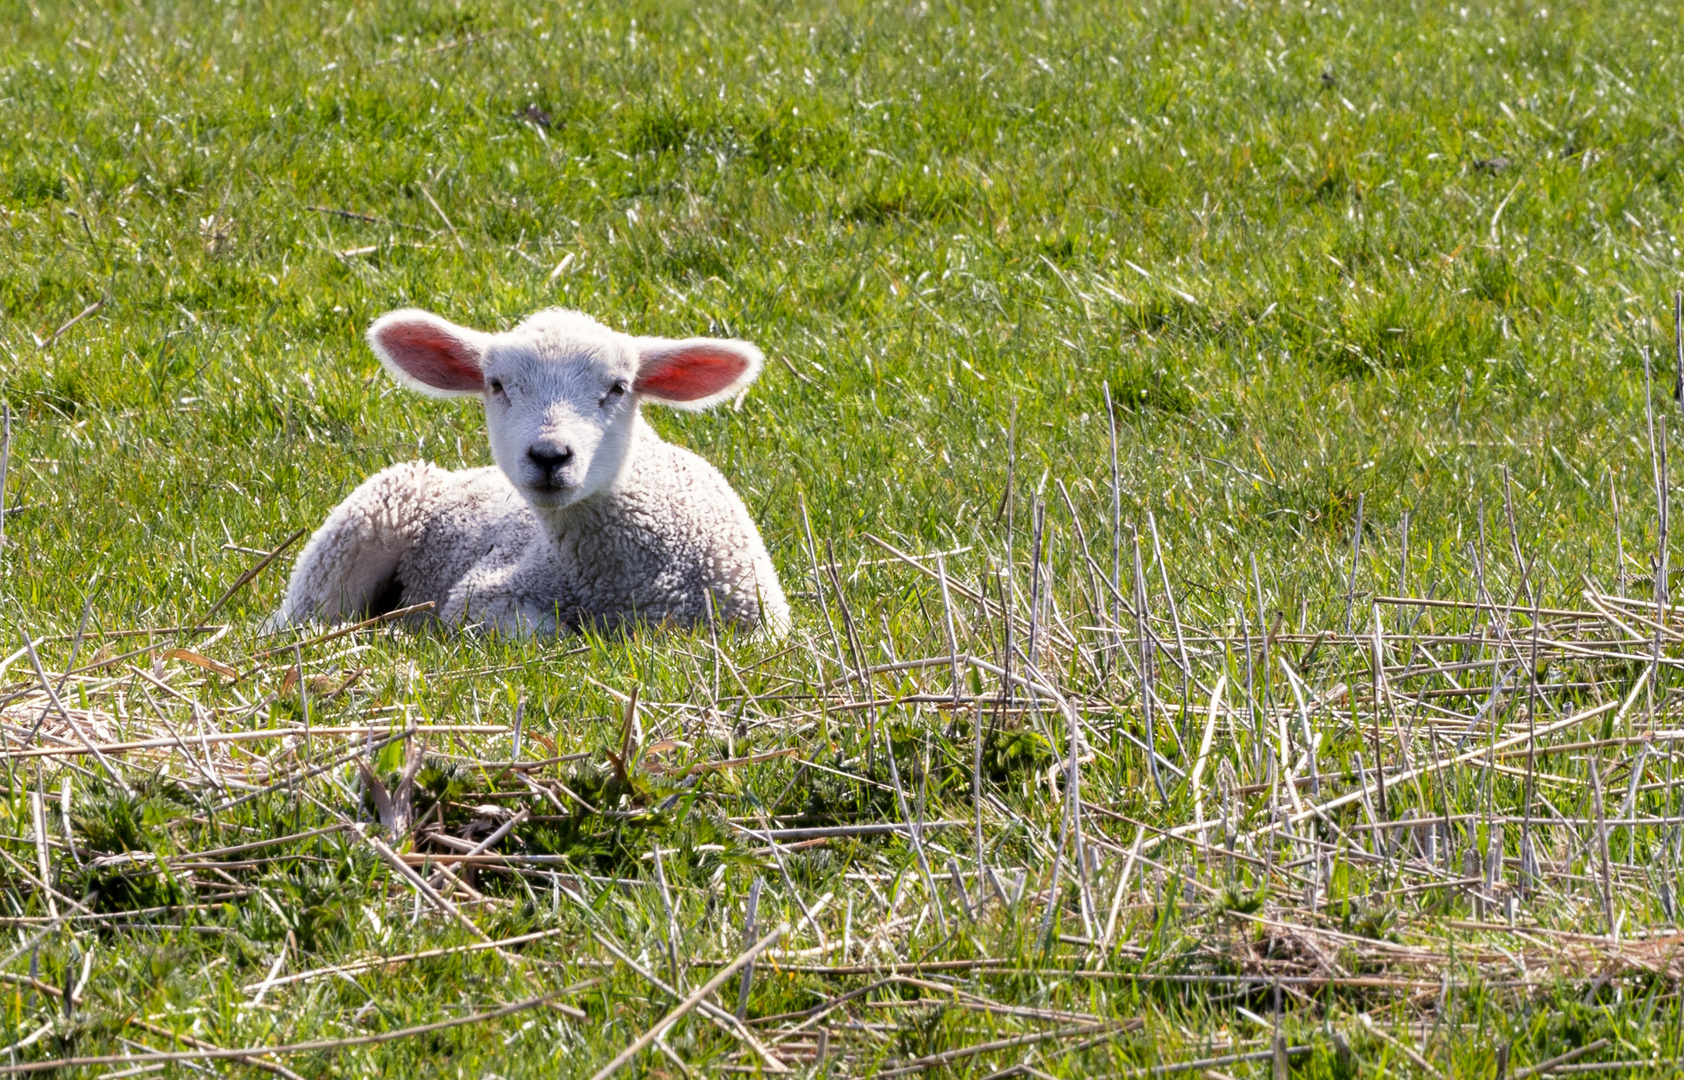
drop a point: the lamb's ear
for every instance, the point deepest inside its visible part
(696, 372)
(429, 354)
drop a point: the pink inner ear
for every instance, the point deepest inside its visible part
(434, 357)
(690, 374)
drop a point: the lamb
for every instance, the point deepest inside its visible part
(588, 519)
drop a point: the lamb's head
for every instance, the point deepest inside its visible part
(561, 390)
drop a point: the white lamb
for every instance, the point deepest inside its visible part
(588, 518)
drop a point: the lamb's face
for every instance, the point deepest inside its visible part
(559, 408)
(561, 390)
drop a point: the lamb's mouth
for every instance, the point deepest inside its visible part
(549, 496)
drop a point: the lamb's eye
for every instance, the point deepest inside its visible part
(614, 393)
(496, 387)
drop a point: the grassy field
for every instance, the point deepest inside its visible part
(1372, 288)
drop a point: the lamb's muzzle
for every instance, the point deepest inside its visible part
(589, 518)
(550, 460)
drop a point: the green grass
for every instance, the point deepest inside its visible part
(1401, 258)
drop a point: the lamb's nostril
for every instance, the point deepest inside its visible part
(548, 456)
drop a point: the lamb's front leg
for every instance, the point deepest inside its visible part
(351, 566)
(492, 597)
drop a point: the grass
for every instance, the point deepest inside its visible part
(1370, 288)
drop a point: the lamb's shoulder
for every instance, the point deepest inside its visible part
(682, 502)
(481, 501)
(677, 532)
(474, 518)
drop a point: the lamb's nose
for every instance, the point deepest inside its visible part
(549, 456)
